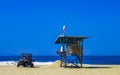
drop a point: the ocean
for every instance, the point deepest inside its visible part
(86, 59)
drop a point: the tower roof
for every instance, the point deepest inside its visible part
(69, 39)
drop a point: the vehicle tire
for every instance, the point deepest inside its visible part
(18, 65)
(31, 65)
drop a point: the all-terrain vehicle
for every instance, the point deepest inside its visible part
(25, 60)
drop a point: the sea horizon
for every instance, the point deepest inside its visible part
(86, 59)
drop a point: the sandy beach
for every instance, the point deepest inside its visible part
(54, 69)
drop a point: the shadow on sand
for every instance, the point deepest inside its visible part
(93, 67)
(89, 67)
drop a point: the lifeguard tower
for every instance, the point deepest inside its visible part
(70, 46)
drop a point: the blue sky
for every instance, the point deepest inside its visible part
(31, 26)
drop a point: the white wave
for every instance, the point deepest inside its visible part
(15, 63)
(8, 63)
(42, 63)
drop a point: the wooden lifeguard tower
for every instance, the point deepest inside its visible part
(70, 46)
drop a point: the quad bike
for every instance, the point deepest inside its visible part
(25, 60)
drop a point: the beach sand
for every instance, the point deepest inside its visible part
(54, 69)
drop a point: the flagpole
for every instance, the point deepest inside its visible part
(63, 30)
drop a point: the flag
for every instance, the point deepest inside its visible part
(64, 28)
